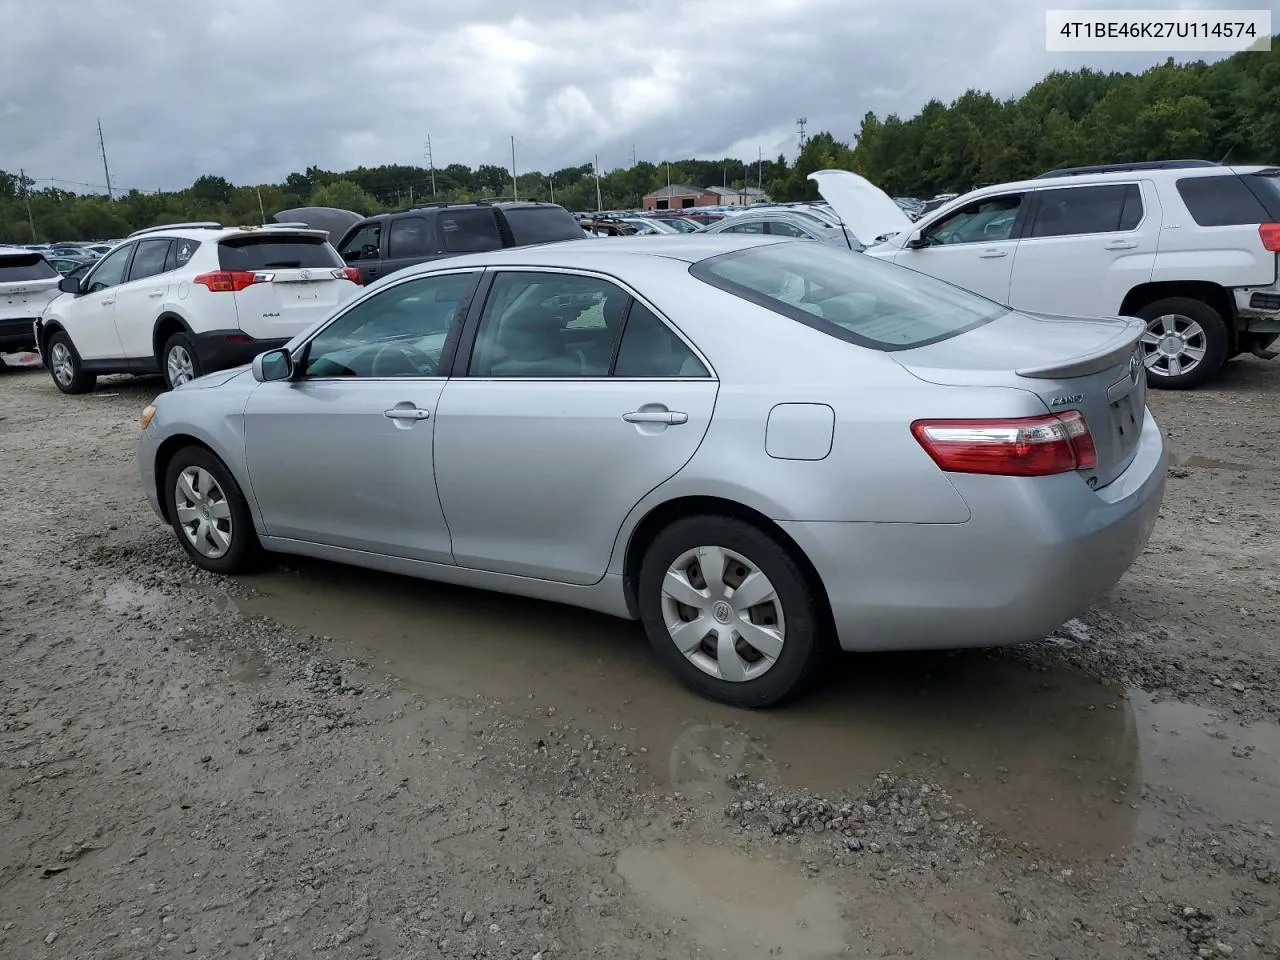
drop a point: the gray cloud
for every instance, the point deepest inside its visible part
(254, 89)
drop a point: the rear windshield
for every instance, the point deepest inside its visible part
(276, 253)
(849, 296)
(541, 224)
(1231, 200)
(31, 266)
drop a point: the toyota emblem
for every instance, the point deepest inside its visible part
(306, 274)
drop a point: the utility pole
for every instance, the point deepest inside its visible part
(261, 209)
(552, 181)
(633, 155)
(760, 169)
(668, 176)
(515, 189)
(411, 193)
(22, 185)
(800, 122)
(432, 164)
(102, 148)
(599, 202)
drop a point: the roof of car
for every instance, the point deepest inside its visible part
(1111, 176)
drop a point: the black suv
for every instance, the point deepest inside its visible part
(380, 245)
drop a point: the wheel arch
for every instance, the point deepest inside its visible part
(1214, 295)
(166, 325)
(47, 329)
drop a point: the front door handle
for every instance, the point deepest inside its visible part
(156, 293)
(669, 417)
(993, 254)
(1121, 245)
(108, 301)
(406, 413)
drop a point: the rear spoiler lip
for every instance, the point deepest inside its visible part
(278, 230)
(1091, 363)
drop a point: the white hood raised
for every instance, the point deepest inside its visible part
(867, 211)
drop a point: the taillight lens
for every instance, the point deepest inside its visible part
(1270, 234)
(230, 281)
(1022, 447)
(348, 273)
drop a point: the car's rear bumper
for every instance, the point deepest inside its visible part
(17, 333)
(223, 349)
(1035, 553)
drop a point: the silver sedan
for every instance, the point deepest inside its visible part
(762, 450)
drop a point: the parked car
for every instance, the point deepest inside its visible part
(381, 245)
(779, 222)
(28, 282)
(1187, 246)
(650, 226)
(680, 224)
(757, 448)
(64, 265)
(187, 299)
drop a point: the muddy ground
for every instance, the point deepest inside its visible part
(317, 761)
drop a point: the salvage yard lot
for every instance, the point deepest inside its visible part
(322, 761)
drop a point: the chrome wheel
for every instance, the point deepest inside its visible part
(179, 366)
(723, 614)
(1173, 345)
(64, 369)
(203, 512)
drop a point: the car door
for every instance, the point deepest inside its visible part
(138, 299)
(362, 248)
(90, 318)
(571, 399)
(1085, 248)
(342, 454)
(973, 246)
(410, 240)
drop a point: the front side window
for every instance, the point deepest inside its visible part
(858, 299)
(150, 259)
(1070, 211)
(983, 221)
(364, 244)
(469, 230)
(399, 332)
(110, 270)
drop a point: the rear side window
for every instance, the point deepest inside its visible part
(180, 253)
(542, 224)
(25, 267)
(275, 253)
(1222, 201)
(853, 298)
(469, 230)
(1080, 210)
(410, 237)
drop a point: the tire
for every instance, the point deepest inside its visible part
(179, 361)
(1202, 330)
(241, 551)
(761, 680)
(65, 367)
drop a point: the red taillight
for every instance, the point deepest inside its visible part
(348, 273)
(1270, 234)
(229, 281)
(1023, 447)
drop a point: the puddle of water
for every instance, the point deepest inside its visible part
(736, 906)
(1052, 759)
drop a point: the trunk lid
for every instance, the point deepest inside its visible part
(1070, 363)
(868, 212)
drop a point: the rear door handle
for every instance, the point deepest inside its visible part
(1121, 245)
(670, 417)
(406, 413)
(992, 254)
(156, 293)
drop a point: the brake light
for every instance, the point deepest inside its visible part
(348, 273)
(230, 281)
(1022, 447)
(1270, 234)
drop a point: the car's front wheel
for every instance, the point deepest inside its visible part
(209, 513)
(729, 611)
(65, 367)
(180, 362)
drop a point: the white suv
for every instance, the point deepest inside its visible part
(188, 299)
(1188, 246)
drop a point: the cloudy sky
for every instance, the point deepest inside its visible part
(254, 89)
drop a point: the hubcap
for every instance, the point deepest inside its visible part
(179, 365)
(1173, 345)
(63, 368)
(203, 512)
(723, 614)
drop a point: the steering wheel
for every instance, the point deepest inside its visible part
(402, 360)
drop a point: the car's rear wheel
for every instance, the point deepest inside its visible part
(208, 512)
(1186, 342)
(65, 367)
(729, 611)
(180, 362)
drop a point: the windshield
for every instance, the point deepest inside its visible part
(855, 298)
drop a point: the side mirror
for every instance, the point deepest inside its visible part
(273, 365)
(70, 285)
(916, 240)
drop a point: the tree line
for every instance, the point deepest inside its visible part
(1224, 111)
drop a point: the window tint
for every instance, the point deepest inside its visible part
(410, 237)
(469, 230)
(982, 221)
(1070, 211)
(1221, 201)
(364, 244)
(150, 259)
(859, 299)
(755, 226)
(541, 224)
(180, 253)
(26, 266)
(110, 270)
(780, 228)
(400, 332)
(263, 252)
(548, 325)
(650, 348)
